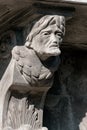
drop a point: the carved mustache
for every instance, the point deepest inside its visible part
(52, 44)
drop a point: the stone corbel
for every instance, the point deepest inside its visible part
(28, 115)
(30, 74)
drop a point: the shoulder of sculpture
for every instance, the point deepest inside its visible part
(25, 53)
(22, 51)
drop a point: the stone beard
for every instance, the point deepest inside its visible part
(35, 63)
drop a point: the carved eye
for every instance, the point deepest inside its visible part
(46, 33)
(58, 34)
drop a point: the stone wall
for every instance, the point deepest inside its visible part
(66, 104)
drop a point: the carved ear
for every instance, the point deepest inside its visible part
(28, 41)
(27, 44)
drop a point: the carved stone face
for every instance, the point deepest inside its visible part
(47, 42)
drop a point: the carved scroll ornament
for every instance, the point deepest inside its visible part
(30, 74)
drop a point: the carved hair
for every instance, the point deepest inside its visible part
(43, 23)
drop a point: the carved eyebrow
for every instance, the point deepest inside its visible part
(49, 30)
(58, 30)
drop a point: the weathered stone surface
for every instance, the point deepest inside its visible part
(30, 74)
(66, 102)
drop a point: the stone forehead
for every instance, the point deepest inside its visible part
(51, 27)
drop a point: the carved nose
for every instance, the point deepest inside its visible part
(54, 39)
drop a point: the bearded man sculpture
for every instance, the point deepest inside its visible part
(30, 74)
